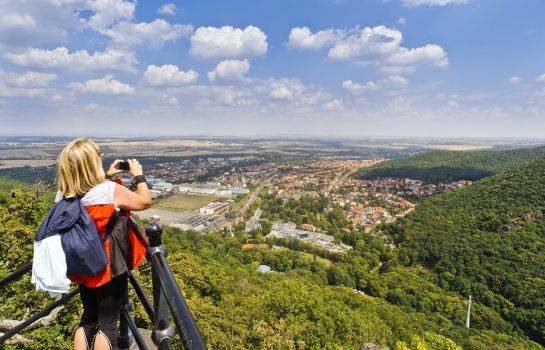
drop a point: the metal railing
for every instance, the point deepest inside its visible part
(167, 300)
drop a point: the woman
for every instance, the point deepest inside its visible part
(80, 173)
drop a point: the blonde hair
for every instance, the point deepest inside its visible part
(79, 168)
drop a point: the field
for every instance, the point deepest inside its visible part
(166, 217)
(310, 257)
(17, 163)
(184, 202)
(6, 185)
(41, 151)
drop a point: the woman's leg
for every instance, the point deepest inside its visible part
(109, 299)
(89, 320)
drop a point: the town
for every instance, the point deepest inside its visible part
(230, 191)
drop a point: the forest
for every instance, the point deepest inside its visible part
(402, 286)
(312, 300)
(449, 166)
(486, 240)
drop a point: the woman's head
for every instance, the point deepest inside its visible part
(79, 168)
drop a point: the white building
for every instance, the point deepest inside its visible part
(162, 186)
(214, 208)
(199, 188)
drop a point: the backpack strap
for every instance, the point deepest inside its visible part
(137, 230)
(111, 225)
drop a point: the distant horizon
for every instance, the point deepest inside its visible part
(275, 136)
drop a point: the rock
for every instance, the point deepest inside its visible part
(147, 339)
(371, 346)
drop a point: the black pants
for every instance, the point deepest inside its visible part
(101, 307)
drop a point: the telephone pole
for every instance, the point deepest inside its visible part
(468, 312)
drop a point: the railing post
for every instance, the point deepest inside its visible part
(163, 333)
(166, 288)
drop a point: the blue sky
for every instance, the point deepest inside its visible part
(444, 68)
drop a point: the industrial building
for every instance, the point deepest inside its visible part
(214, 208)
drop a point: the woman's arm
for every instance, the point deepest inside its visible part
(133, 201)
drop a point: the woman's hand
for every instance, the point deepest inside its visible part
(112, 171)
(135, 167)
(138, 200)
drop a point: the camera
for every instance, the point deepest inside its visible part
(122, 166)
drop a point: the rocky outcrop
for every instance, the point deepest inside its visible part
(371, 346)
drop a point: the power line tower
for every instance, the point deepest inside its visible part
(468, 312)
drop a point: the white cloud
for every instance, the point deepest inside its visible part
(334, 105)
(228, 42)
(448, 96)
(16, 20)
(451, 104)
(415, 3)
(91, 107)
(399, 105)
(110, 59)
(428, 54)
(155, 33)
(379, 46)
(27, 80)
(515, 79)
(225, 96)
(401, 21)
(232, 98)
(103, 86)
(541, 78)
(382, 46)
(397, 69)
(24, 23)
(302, 38)
(106, 12)
(169, 101)
(57, 98)
(28, 85)
(172, 100)
(169, 75)
(8, 91)
(292, 95)
(388, 83)
(230, 71)
(167, 9)
(281, 94)
(357, 88)
(396, 80)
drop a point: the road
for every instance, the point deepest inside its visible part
(254, 195)
(338, 180)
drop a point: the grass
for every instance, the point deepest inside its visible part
(239, 203)
(310, 257)
(185, 202)
(7, 184)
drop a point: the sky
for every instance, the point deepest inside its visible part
(329, 68)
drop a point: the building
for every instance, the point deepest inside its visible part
(162, 186)
(238, 190)
(199, 188)
(214, 208)
(251, 226)
(233, 215)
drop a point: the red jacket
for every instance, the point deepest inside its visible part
(100, 206)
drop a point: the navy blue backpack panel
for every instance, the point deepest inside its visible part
(81, 243)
